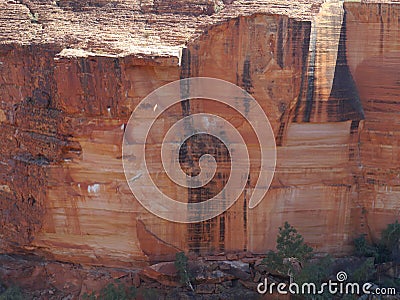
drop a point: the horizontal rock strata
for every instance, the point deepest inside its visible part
(326, 74)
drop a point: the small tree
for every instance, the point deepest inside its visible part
(387, 249)
(290, 244)
(316, 272)
(391, 240)
(181, 265)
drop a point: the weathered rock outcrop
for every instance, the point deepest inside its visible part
(326, 74)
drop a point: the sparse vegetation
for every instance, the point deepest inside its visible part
(291, 247)
(118, 291)
(387, 249)
(113, 292)
(391, 240)
(12, 293)
(317, 272)
(365, 272)
(149, 294)
(181, 265)
(290, 244)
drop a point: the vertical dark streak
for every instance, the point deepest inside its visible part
(185, 73)
(304, 57)
(116, 101)
(382, 28)
(310, 81)
(85, 70)
(222, 233)
(279, 45)
(246, 78)
(344, 100)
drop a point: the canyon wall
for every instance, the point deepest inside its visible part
(326, 75)
(373, 56)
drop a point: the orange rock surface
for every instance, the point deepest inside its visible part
(71, 72)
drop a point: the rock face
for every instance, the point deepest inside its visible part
(374, 66)
(326, 74)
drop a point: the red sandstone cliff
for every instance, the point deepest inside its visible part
(71, 72)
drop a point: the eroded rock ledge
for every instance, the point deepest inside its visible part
(221, 277)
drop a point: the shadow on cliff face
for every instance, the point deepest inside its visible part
(344, 100)
(259, 53)
(373, 56)
(343, 103)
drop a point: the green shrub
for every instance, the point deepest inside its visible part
(316, 272)
(387, 249)
(391, 235)
(364, 249)
(119, 291)
(149, 294)
(112, 292)
(289, 244)
(365, 272)
(181, 265)
(12, 293)
(390, 239)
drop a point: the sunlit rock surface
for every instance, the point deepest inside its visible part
(325, 73)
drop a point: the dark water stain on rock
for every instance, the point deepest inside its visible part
(344, 101)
